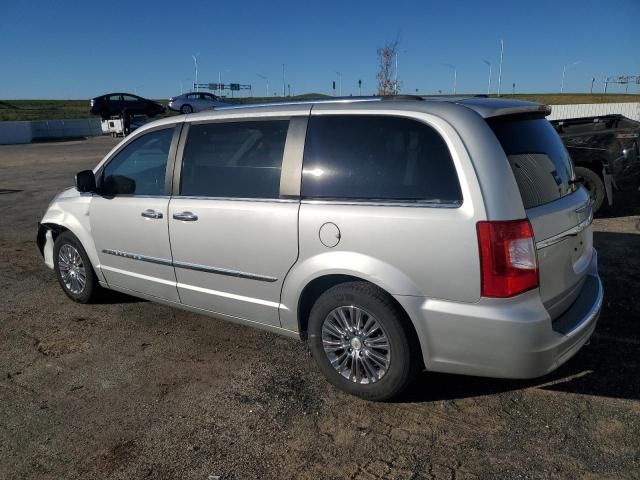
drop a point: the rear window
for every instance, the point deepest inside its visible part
(539, 160)
(369, 157)
(236, 159)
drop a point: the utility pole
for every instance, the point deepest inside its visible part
(500, 72)
(488, 63)
(195, 62)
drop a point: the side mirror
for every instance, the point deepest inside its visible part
(85, 181)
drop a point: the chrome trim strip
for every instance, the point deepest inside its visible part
(382, 204)
(190, 266)
(135, 256)
(568, 233)
(157, 197)
(224, 271)
(237, 199)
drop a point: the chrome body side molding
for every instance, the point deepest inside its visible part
(191, 266)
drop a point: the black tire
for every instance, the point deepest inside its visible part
(594, 185)
(185, 109)
(403, 358)
(91, 288)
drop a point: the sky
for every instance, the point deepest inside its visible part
(81, 49)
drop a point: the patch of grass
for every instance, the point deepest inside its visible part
(12, 110)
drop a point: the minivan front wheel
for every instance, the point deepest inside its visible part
(73, 269)
(360, 343)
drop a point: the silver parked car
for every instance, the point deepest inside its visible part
(394, 235)
(195, 102)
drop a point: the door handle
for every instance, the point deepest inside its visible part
(185, 216)
(151, 214)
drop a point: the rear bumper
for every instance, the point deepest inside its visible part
(513, 338)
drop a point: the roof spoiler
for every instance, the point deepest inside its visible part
(520, 110)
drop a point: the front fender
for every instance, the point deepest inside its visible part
(353, 264)
(72, 213)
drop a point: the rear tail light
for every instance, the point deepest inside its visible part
(508, 261)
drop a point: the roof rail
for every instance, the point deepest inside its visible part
(304, 102)
(402, 97)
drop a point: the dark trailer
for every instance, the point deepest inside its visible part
(605, 151)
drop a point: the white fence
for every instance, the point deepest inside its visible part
(26, 132)
(630, 110)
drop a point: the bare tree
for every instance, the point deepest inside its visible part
(387, 85)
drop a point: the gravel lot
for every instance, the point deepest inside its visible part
(129, 389)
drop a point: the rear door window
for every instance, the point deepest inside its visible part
(373, 157)
(236, 159)
(539, 160)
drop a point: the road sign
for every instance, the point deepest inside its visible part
(234, 86)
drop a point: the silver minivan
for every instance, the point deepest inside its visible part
(392, 234)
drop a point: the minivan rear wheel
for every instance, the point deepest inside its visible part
(359, 341)
(73, 269)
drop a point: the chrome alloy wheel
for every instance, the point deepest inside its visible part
(72, 269)
(356, 344)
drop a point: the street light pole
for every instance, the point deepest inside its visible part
(195, 62)
(265, 79)
(564, 69)
(396, 81)
(500, 73)
(455, 75)
(283, 82)
(487, 62)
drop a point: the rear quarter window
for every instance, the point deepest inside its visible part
(539, 160)
(368, 157)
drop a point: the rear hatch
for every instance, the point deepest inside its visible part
(559, 210)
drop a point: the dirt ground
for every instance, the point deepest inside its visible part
(129, 389)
